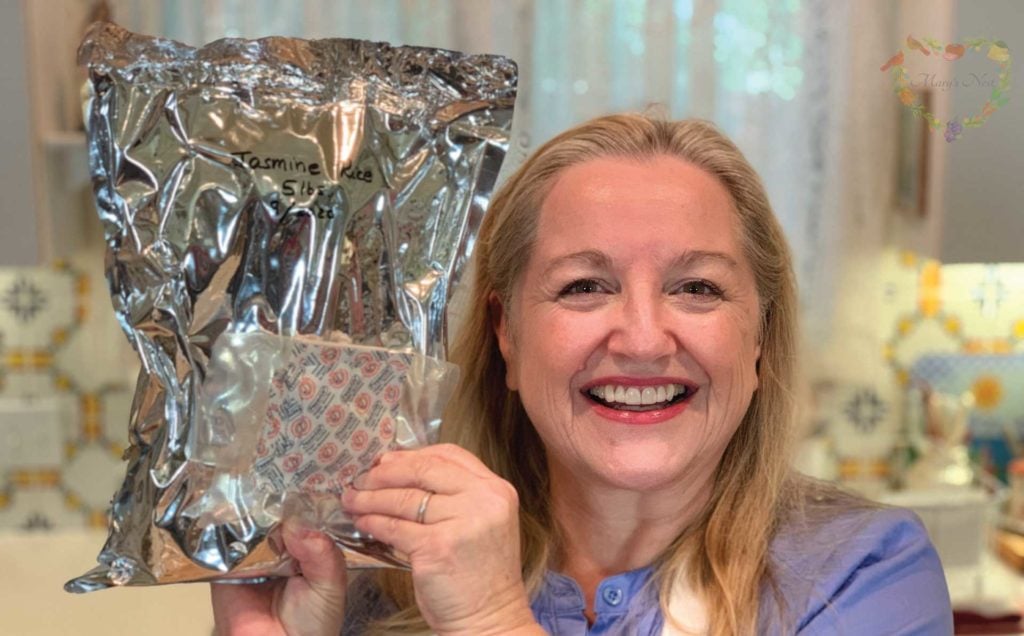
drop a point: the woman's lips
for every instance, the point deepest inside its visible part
(626, 406)
(640, 417)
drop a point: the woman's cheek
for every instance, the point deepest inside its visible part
(727, 356)
(571, 334)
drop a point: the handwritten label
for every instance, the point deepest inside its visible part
(284, 164)
(304, 182)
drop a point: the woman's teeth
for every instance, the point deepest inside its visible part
(633, 396)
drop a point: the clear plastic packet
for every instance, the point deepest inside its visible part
(286, 424)
(259, 198)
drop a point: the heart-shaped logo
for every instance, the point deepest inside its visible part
(996, 50)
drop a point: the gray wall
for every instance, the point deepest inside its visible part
(19, 243)
(984, 181)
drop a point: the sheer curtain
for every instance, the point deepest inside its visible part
(772, 74)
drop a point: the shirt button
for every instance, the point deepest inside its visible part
(612, 596)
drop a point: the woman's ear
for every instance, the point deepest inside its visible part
(757, 366)
(762, 329)
(500, 325)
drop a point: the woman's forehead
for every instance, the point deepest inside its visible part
(660, 205)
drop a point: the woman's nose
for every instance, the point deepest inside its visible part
(642, 330)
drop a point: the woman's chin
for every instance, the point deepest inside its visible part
(641, 473)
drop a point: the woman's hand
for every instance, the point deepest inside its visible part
(308, 604)
(466, 567)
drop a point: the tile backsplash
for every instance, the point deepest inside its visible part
(953, 328)
(930, 308)
(995, 418)
(66, 379)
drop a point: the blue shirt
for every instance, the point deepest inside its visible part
(870, 571)
(865, 571)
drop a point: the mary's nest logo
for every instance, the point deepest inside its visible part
(998, 81)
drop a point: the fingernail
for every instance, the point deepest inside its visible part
(359, 482)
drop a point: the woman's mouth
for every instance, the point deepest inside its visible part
(639, 398)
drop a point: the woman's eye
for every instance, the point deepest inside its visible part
(583, 286)
(700, 288)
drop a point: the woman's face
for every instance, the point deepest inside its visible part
(634, 327)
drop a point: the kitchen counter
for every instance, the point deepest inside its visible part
(35, 566)
(991, 590)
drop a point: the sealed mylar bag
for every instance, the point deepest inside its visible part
(285, 221)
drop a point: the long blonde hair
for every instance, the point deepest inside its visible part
(724, 555)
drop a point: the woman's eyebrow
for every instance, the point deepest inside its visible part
(594, 258)
(697, 257)
(600, 260)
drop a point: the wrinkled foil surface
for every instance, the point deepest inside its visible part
(298, 188)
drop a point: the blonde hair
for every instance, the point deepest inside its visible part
(724, 555)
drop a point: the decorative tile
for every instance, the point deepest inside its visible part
(35, 302)
(66, 373)
(115, 408)
(959, 327)
(864, 410)
(91, 476)
(973, 309)
(997, 419)
(915, 336)
(860, 418)
(31, 434)
(23, 300)
(28, 381)
(36, 508)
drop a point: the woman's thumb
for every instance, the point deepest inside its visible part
(321, 562)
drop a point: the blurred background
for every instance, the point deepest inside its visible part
(909, 245)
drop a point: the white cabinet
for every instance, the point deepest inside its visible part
(45, 209)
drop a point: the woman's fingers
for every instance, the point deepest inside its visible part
(450, 453)
(240, 609)
(313, 603)
(406, 536)
(463, 549)
(404, 503)
(321, 562)
(465, 554)
(411, 469)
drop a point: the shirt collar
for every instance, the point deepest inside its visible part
(617, 594)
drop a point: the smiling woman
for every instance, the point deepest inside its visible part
(680, 224)
(667, 298)
(620, 438)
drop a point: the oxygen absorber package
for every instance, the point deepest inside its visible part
(285, 220)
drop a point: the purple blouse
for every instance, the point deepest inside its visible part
(861, 571)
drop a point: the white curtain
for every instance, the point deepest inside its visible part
(774, 75)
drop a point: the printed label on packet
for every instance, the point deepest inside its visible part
(332, 411)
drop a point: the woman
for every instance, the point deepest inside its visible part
(625, 411)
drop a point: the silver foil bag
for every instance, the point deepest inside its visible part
(285, 221)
